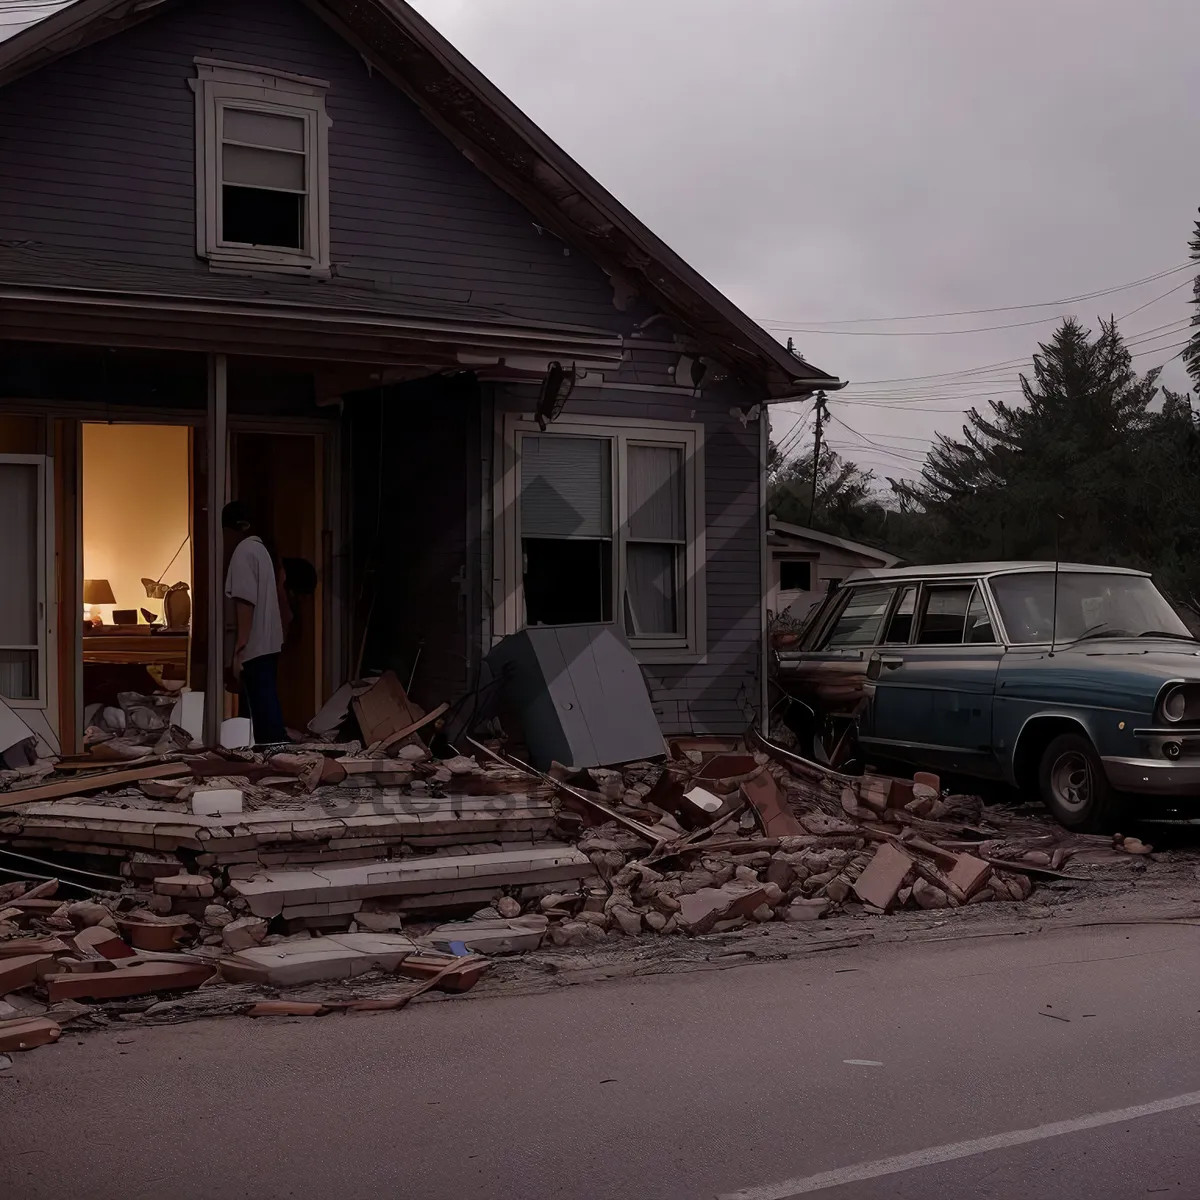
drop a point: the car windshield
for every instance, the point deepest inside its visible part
(1090, 604)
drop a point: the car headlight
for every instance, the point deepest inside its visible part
(1174, 705)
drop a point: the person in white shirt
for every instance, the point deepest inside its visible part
(251, 582)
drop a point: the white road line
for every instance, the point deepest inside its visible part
(940, 1154)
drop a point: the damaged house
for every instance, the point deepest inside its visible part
(305, 256)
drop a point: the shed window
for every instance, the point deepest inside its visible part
(795, 575)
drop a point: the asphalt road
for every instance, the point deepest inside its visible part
(756, 1080)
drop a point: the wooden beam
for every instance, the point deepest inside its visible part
(91, 783)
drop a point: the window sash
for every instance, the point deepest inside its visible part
(222, 87)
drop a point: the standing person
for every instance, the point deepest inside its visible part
(251, 583)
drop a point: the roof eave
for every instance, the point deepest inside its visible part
(535, 170)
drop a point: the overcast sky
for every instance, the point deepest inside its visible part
(824, 160)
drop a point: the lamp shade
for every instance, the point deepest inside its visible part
(98, 591)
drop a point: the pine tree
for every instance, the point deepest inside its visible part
(1067, 463)
(1191, 352)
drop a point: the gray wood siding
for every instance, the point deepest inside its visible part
(97, 156)
(720, 695)
(97, 160)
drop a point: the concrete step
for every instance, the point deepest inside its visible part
(426, 881)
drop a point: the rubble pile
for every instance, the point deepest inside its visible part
(240, 874)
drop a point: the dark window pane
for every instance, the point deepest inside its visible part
(860, 620)
(900, 627)
(945, 614)
(258, 218)
(795, 576)
(567, 582)
(979, 624)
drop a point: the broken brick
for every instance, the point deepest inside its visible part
(700, 911)
(98, 942)
(190, 887)
(777, 818)
(969, 874)
(883, 877)
(140, 980)
(286, 1008)
(26, 1033)
(875, 792)
(21, 972)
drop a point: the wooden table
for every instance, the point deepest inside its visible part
(161, 649)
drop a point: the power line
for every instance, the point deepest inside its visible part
(972, 312)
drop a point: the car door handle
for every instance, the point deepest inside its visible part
(877, 663)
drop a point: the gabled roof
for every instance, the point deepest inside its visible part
(507, 146)
(800, 532)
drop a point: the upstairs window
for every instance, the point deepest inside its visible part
(262, 179)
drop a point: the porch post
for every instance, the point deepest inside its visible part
(216, 446)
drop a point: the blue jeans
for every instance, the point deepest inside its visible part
(260, 691)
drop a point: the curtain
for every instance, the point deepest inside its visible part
(656, 493)
(657, 537)
(652, 588)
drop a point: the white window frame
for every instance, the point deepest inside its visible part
(43, 697)
(220, 85)
(508, 589)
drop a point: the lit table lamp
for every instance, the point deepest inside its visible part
(95, 593)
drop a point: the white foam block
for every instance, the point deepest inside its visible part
(212, 802)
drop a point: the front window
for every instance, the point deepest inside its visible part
(607, 527)
(1089, 604)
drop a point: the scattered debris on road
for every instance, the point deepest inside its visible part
(231, 881)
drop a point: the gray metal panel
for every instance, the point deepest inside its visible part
(580, 695)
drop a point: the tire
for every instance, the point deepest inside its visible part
(1074, 787)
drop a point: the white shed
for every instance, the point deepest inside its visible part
(806, 563)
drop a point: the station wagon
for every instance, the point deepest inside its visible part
(1080, 683)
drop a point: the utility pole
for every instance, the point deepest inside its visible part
(822, 413)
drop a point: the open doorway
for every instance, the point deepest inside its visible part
(279, 477)
(137, 564)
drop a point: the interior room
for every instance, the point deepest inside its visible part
(137, 559)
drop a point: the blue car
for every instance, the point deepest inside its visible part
(1078, 682)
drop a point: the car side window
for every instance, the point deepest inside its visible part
(900, 626)
(861, 619)
(979, 629)
(944, 617)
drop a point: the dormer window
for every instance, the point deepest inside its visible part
(262, 180)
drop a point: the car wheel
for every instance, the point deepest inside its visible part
(1074, 786)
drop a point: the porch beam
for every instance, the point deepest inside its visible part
(216, 445)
